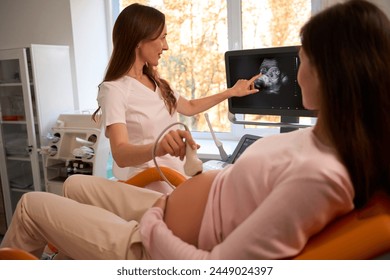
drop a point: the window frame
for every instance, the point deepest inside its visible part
(235, 42)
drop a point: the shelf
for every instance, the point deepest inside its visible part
(18, 157)
(58, 179)
(15, 84)
(29, 108)
(11, 84)
(12, 122)
(20, 190)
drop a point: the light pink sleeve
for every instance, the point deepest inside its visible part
(160, 241)
(279, 228)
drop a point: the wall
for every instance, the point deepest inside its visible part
(80, 24)
(91, 47)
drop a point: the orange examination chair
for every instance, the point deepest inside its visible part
(361, 234)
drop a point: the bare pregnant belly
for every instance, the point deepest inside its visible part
(185, 206)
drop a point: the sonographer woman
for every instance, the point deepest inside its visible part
(137, 104)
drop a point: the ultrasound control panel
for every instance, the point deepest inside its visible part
(244, 143)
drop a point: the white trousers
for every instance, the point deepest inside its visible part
(97, 219)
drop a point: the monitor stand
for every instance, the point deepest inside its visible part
(285, 119)
(286, 124)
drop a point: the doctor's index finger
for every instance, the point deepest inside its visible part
(255, 77)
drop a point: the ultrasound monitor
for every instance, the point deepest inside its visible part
(279, 93)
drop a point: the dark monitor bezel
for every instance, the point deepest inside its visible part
(264, 52)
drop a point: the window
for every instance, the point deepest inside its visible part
(200, 32)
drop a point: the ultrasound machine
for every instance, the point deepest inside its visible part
(280, 94)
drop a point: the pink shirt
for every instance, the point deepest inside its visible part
(280, 192)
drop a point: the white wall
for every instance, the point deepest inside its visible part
(80, 24)
(91, 48)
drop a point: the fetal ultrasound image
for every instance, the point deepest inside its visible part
(272, 79)
(279, 91)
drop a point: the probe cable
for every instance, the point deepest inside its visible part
(155, 147)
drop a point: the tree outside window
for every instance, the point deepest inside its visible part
(197, 37)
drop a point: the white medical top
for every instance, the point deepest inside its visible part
(143, 110)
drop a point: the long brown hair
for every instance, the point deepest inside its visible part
(349, 45)
(134, 24)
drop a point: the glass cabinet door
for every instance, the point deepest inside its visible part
(20, 171)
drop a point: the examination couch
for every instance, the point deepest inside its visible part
(361, 234)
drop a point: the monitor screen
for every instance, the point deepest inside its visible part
(279, 93)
